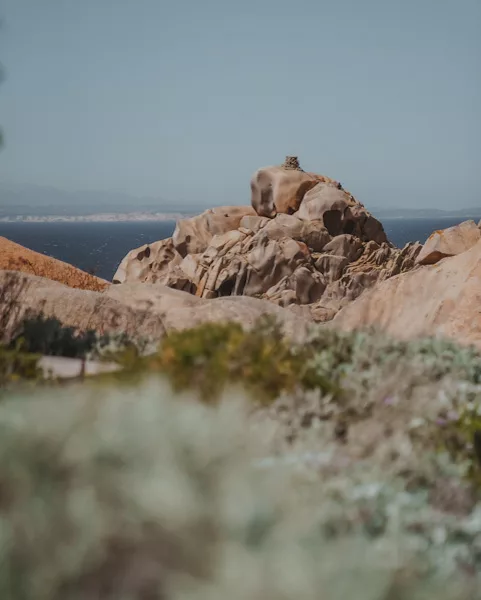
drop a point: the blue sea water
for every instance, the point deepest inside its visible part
(94, 247)
(101, 246)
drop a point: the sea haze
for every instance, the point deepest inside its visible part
(99, 247)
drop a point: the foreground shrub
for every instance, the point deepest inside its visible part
(16, 366)
(210, 356)
(47, 335)
(134, 494)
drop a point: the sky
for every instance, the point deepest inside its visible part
(185, 99)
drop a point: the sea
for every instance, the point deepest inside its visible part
(99, 247)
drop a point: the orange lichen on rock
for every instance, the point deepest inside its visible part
(14, 257)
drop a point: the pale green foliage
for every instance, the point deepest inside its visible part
(356, 479)
(130, 492)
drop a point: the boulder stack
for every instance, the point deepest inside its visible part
(305, 243)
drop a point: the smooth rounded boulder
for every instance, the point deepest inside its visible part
(340, 213)
(449, 242)
(279, 190)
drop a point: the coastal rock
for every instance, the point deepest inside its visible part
(340, 213)
(139, 310)
(439, 300)
(149, 263)
(239, 263)
(192, 236)
(313, 234)
(331, 266)
(279, 190)
(449, 242)
(14, 257)
(320, 257)
(253, 223)
(180, 310)
(285, 260)
(376, 263)
(26, 296)
(345, 245)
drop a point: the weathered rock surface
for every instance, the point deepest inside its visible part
(280, 190)
(192, 236)
(305, 242)
(443, 299)
(139, 310)
(24, 296)
(340, 213)
(149, 263)
(449, 242)
(287, 260)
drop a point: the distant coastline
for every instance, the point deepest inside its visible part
(142, 216)
(96, 218)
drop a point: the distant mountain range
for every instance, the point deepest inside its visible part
(41, 201)
(21, 201)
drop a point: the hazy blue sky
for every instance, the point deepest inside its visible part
(186, 98)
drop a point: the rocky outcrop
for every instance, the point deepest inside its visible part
(14, 257)
(279, 190)
(306, 243)
(158, 262)
(304, 259)
(146, 311)
(441, 300)
(25, 296)
(449, 242)
(340, 213)
(194, 235)
(149, 263)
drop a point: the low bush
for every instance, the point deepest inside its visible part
(17, 366)
(134, 494)
(211, 356)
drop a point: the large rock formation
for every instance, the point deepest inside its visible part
(442, 299)
(156, 262)
(340, 213)
(14, 257)
(139, 310)
(281, 189)
(321, 257)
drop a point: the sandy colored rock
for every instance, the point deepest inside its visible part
(238, 309)
(23, 296)
(279, 190)
(150, 263)
(345, 245)
(277, 259)
(449, 242)
(180, 310)
(151, 297)
(14, 257)
(439, 300)
(140, 310)
(331, 266)
(340, 213)
(253, 223)
(313, 234)
(192, 236)
(322, 256)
